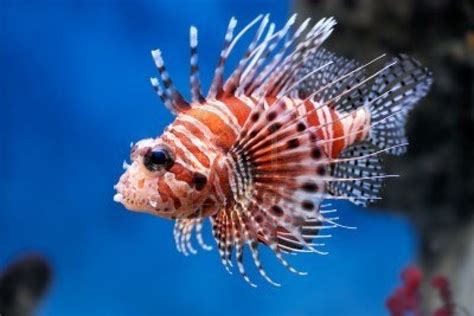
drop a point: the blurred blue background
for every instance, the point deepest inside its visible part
(74, 93)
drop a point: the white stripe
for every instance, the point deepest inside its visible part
(193, 36)
(247, 100)
(288, 103)
(221, 106)
(221, 114)
(347, 125)
(355, 124)
(220, 193)
(322, 121)
(359, 122)
(301, 108)
(188, 155)
(230, 166)
(365, 122)
(156, 54)
(195, 141)
(208, 134)
(329, 128)
(291, 103)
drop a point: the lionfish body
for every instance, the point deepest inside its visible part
(293, 125)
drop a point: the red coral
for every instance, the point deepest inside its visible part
(406, 298)
(442, 284)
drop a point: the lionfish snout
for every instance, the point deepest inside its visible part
(138, 191)
(139, 186)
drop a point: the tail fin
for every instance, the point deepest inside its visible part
(407, 82)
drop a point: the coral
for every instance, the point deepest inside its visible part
(407, 298)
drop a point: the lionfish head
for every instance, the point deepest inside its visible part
(159, 182)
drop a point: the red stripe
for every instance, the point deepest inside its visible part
(202, 157)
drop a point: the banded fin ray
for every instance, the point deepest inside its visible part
(263, 70)
(285, 74)
(170, 96)
(278, 168)
(276, 199)
(233, 81)
(183, 230)
(218, 80)
(196, 93)
(260, 71)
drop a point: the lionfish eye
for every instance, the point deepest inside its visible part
(158, 159)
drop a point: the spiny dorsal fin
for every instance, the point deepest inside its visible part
(262, 73)
(218, 81)
(285, 74)
(196, 93)
(356, 162)
(250, 80)
(233, 81)
(170, 96)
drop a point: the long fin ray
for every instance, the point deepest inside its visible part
(176, 100)
(196, 93)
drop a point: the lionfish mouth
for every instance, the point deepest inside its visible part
(122, 195)
(133, 196)
(131, 200)
(126, 195)
(119, 187)
(118, 197)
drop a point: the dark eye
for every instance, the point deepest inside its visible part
(158, 159)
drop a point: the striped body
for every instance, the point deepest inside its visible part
(200, 134)
(292, 126)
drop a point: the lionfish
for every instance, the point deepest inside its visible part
(293, 125)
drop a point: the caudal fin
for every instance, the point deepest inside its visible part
(407, 82)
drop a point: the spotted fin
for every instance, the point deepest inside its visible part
(332, 81)
(406, 82)
(358, 174)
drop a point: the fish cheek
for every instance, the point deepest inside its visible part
(199, 190)
(164, 191)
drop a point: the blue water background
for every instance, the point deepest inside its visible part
(74, 93)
